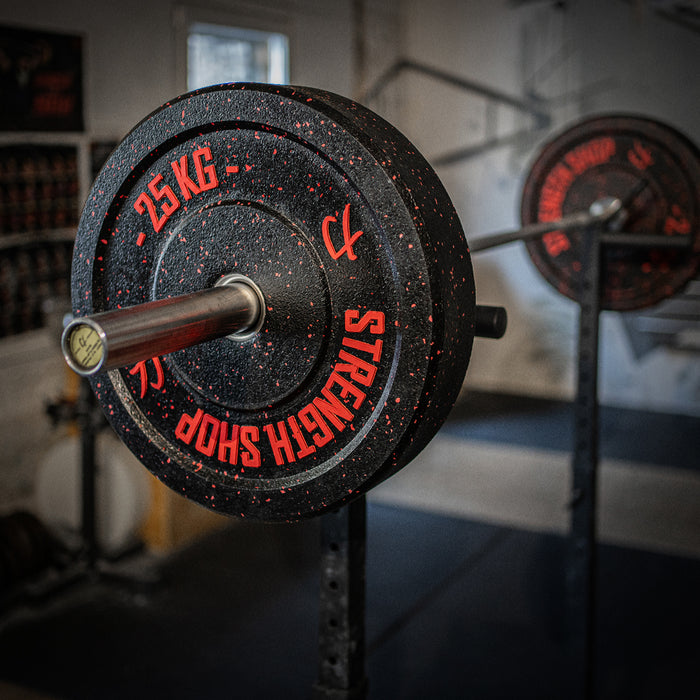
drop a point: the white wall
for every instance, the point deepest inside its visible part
(581, 57)
(131, 50)
(651, 67)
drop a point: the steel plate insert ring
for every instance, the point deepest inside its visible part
(235, 278)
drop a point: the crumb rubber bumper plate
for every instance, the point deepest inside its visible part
(366, 279)
(654, 171)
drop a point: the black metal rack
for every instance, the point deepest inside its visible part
(342, 598)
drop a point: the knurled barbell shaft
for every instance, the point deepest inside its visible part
(122, 337)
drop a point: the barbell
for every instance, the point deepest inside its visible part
(273, 295)
(653, 171)
(273, 299)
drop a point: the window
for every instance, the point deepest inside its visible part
(220, 54)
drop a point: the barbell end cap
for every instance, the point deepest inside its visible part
(490, 321)
(84, 346)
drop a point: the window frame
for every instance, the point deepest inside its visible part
(238, 16)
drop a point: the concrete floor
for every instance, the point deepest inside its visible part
(645, 506)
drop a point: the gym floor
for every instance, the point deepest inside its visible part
(465, 581)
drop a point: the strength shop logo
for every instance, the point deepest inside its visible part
(348, 239)
(312, 427)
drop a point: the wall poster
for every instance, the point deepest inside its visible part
(41, 81)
